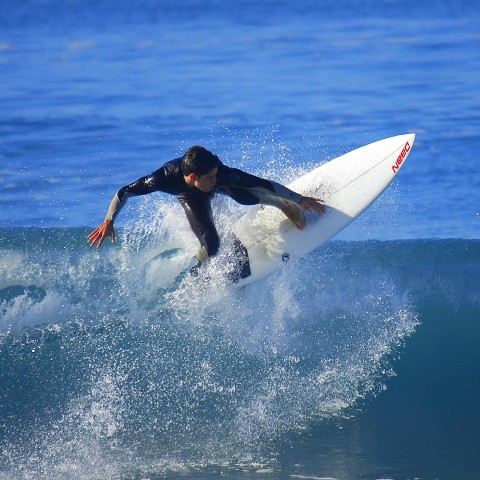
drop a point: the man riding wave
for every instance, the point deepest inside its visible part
(194, 179)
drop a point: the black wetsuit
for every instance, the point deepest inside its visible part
(243, 187)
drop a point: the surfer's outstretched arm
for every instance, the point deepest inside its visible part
(142, 186)
(106, 228)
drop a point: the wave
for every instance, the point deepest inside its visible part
(107, 371)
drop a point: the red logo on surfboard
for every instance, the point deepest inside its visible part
(401, 157)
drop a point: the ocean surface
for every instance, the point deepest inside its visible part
(359, 361)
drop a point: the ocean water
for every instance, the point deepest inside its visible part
(359, 361)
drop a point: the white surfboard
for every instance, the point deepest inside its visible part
(348, 185)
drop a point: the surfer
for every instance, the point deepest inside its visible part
(194, 179)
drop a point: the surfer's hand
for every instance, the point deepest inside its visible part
(101, 232)
(310, 204)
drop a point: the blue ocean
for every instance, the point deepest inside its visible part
(358, 361)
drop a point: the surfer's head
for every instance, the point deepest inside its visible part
(199, 167)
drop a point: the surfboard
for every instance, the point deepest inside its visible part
(348, 185)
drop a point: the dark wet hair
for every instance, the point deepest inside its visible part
(198, 160)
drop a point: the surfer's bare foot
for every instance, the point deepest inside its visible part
(294, 213)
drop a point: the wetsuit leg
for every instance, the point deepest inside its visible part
(199, 215)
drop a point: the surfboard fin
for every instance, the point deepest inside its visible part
(294, 213)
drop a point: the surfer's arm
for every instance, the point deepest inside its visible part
(285, 193)
(263, 189)
(272, 193)
(106, 228)
(118, 202)
(308, 204)
(144, 185)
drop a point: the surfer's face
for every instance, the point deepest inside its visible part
(206, 182)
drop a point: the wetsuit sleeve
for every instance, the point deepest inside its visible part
(259, 187)
(144, 185)
(285, 193)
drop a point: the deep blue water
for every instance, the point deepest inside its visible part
(356, 362)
